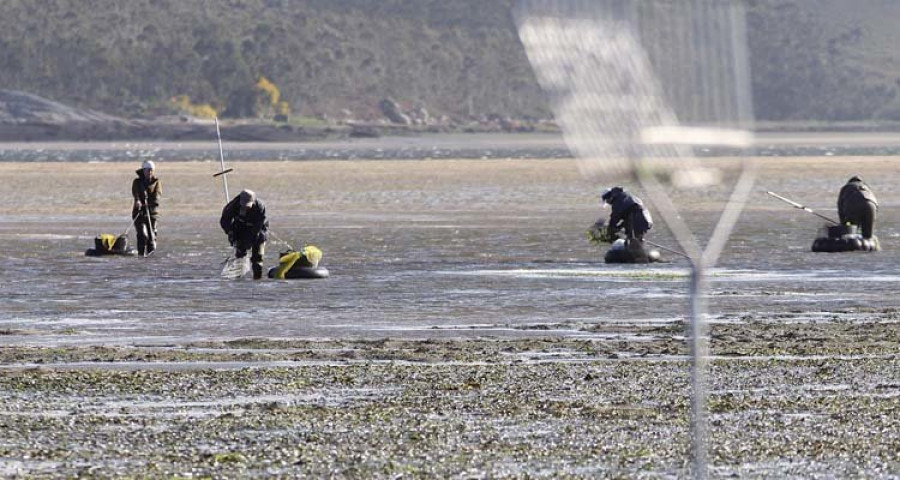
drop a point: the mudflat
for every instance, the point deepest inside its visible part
(468, 330)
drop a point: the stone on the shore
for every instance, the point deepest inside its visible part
(391, 109)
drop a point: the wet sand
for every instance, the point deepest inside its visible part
(519, 356)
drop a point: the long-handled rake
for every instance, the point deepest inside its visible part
(803, 207)
(130, 225)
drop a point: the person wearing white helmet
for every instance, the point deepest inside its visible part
(146, 191)
(244, 221)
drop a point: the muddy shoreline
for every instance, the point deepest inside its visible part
(468, 329)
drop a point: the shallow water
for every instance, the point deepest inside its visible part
(421, 249)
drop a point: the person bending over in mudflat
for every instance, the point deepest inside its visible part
(857, 206)
(628, 214)
(146, 190)
(244, 221)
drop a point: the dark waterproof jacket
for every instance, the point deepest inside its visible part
(248, 230)
(146, 192)
(628, 213)
(853, 197)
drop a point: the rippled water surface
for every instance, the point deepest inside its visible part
(416, 248)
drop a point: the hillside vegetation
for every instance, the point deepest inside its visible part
(828, 60)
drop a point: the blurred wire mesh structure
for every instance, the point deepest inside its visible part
(636, 86)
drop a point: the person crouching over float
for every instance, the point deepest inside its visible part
(629, 216)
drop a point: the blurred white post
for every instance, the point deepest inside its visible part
(636, 86)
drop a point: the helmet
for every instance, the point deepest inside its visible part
(611, 193)
(148, 165)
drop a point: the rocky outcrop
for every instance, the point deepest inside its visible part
(28, 117)
(391, 109)
(25, 117)
(25, 108)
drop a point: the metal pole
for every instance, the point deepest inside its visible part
(224, 172)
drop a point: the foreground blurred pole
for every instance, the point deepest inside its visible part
(699, 365)
(636, 86)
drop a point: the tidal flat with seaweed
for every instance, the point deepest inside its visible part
(785, 402)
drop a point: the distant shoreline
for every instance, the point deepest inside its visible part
(423, 146)
(243, 131)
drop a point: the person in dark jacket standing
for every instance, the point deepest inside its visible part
(244, 221)
(628, 214)
(857, 206)
(146, 191)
